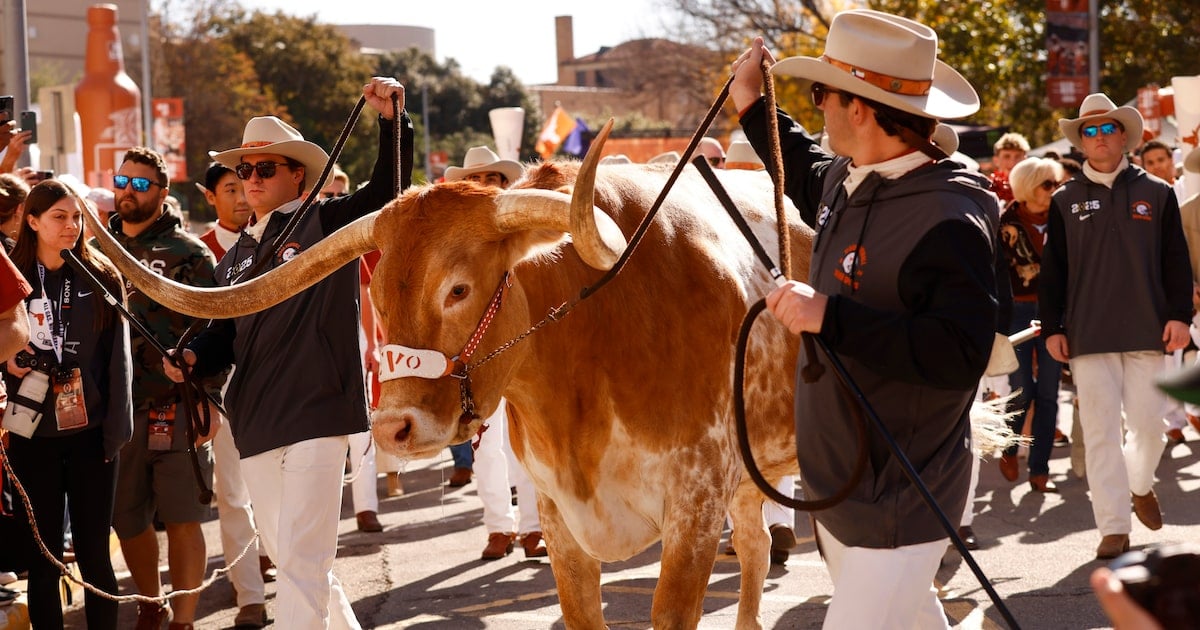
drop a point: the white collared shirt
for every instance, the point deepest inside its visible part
(255, 231)
(894, 168)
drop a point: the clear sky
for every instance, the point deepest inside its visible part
(481, 35)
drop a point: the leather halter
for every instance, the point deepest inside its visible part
(461, 361)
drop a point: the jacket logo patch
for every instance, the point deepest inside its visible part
(823, 215)
(237, 269)
(850, 270)
(1141, 210)
(1083, 211)
(289, 251)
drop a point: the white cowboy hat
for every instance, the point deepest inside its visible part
(742, 156)
(268, 134)
(670, 157)
(889, 60)
(1192, 161)
(484, 160)
(619, 158)
(945, 138)
(1097, 106)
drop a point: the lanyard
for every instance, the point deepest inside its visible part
(55, 320)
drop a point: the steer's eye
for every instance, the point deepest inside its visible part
(459, 291)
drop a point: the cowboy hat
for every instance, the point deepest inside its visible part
(619, 158)
(268, 134)
(887, 59)
(670, 157)
(742, 156)
(1097, 106)
(484, 160)
(1192, 161)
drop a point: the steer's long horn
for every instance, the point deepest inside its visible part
(253, 296)
(538, 209)
(597, 247)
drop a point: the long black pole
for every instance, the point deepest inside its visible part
(856, 391)
(76, 264)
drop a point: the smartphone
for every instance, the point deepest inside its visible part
(6, 108)
(29, 123)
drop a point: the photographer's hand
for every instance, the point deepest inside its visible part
(1122, 611)
(17, 370)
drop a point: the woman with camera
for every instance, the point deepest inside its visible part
(70, 407)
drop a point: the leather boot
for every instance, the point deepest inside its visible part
(498, 545)
(151, 616)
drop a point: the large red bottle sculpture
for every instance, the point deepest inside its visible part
(107, 100)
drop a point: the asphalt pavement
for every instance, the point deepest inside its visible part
(423, 571)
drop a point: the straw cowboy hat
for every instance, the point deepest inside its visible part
(619, 158)
(484, 160)
(1098, 106)
(1192, 161)
(670, 157)
(945, 138)
(268, 134)
(742, 156)
(889, 60)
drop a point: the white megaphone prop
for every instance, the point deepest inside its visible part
(507, 125)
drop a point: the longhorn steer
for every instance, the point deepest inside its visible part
(621, 411)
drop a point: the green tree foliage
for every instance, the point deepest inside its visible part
(458, 105)
(998, 46)
(315, 73)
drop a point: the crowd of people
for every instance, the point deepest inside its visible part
(103, 433)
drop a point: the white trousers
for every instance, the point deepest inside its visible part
(363, 490)
(236, 519)
(1108, 383)
(775, 514)
(884, 589)
(494, 478)
(968, 516)
(297, 494)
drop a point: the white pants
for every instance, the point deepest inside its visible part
(968, 516)
(1108, 383)
(297, 494)
(236, 519)
(494, 478)
(362, 469)
(884, 589)
(775, 514)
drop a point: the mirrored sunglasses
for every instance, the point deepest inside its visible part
(265, 170)
(140, 184)
(1107, 129)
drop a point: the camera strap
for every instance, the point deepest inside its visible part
(54, 321)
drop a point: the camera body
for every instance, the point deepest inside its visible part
(1165, 581)
(24, 410)
(36, 362)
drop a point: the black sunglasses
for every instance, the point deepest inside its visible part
(1048, 185)
(140, 184)
(265, 170)
(1107, 129)
(332, 195)
(820, 91)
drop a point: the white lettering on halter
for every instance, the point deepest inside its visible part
(402, 362)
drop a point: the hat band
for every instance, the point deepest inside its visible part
(1095, 112)
(257, 143)
(895, 85)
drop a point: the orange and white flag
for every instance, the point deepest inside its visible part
(557, 126)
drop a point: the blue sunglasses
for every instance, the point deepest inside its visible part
(1107, 129)
(140, 184)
